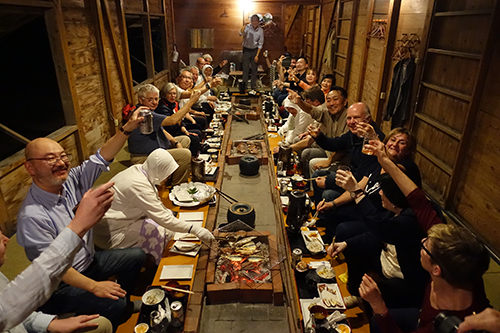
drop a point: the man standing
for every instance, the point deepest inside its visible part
(253, 40)
(48, 209)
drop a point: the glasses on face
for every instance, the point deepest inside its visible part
(426, 250)
(185, 77)
(152, 99)
(52, 160)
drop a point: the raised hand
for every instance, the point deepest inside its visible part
(346, 180)
(91, 208)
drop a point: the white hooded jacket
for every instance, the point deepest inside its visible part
(295, 125)
(135, 199)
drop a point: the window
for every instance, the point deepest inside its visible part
(136, 48)
(31, 101)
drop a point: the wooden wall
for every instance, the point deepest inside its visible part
(478, 193)
(92, 84)
(205, 14)
(411, 20)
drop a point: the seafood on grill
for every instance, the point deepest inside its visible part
(244, 241)
(241, 148)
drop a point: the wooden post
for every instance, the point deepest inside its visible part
(125, 51)
(114, 44)
(64, 72)
(392, 27)
(366, 46)
(148, 43)
(96, 9)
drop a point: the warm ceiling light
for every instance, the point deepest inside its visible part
(246, 6)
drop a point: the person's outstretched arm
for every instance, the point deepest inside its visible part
(34, 286)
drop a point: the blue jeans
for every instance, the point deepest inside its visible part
(125, 264)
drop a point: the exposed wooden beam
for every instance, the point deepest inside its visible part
(95, 6)
(122, 23)
(290, 21)
(392, 27)
(14, 134)
(364, 54)
(148, 43)
(56, 29)
(116, 52)
(28, 3)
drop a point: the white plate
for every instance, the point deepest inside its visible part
(205, 193)
(336, 295)
(169, 272)
(308, 238)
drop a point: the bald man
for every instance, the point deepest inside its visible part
(48, 209)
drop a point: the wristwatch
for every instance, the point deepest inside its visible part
(176, 142)
(207, 86)
(356, 194)
(125, 132)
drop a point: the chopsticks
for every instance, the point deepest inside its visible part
(225, 196)
(177, 289)
(315, 216)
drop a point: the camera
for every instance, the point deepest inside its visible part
(444, 323)
(286, 62)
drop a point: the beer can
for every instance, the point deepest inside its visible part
(177, 314)
(147, 124)
(296, 256)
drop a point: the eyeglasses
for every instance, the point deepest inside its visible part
(186, 77)
(425, 249)
(152, 99)
(52, 160)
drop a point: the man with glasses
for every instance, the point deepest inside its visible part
(141, 145)
(47, 210)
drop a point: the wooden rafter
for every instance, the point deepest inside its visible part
(290, 21)
(116, 52)
(14, 134)
(95, 6)
(122, 23)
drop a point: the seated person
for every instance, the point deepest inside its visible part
(299, 72)
(48, 209)
(295, 125)
(141, 145)
(208, 61)
(333, 117)
(350, 142)
(205, 106)
(327, 83)
(34, 286)
(401, 146)
(136, 198)
(311, 79)
(168, 107)
(280, 76)
(426, 214)
(185, 88)
(386, 243)
(456, 262)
